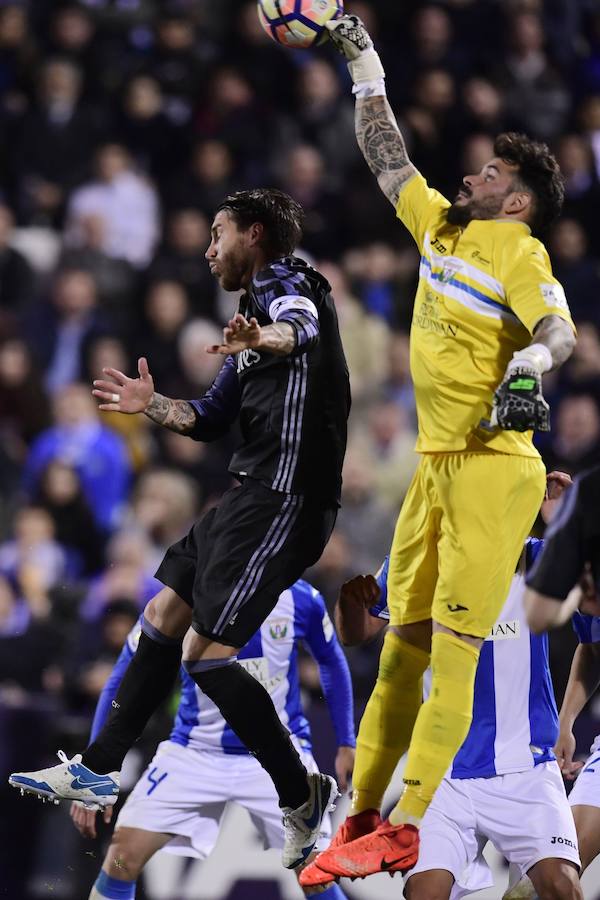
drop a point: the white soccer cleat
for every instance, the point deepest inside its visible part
(70, 780)
(302, 826)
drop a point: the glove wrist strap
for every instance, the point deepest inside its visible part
(366, 67)
(536, 355)
(375, 88)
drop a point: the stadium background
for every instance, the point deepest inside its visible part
(123, 123)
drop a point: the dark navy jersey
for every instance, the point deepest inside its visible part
(571, 541)
(292, 410)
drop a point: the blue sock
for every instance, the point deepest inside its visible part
(333, 893)
(114, 888)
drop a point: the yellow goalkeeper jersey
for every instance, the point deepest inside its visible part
(482, 290)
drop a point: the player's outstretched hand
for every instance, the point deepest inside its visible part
(239, 334)
(123, 394)
(564, 750)
(344, 766)
(84, 819)
(349, 36)
(518, 402)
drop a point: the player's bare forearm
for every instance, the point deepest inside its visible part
(558, 336)
(354, 623)
(382, 145)
(176, 415)
(584, 678)
(278, 338)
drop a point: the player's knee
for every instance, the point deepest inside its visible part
(558, 883)
(434, 885)
(124, 860)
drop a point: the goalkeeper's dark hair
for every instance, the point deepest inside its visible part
(539, 173)
(280, 216)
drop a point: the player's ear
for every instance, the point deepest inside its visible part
(256, 234)
(518, 202)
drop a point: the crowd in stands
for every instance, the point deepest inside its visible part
(123, 123)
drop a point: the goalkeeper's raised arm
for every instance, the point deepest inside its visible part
(377, 131)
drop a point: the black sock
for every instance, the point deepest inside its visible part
(148, 681)
(247, 707)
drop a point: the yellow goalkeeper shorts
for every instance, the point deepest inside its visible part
(459, 537)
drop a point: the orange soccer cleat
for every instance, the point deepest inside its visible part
(390, 848)
(352, 828)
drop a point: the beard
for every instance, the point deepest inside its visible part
(461, 215)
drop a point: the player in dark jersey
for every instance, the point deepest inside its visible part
(285, 380)
(571, 546)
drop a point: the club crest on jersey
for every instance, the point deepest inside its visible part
(278, 629)
(449, 270)
(246, 359)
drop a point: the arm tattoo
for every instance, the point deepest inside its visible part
(177, 415)
(382, 145)
(278, 338)
(557, 335)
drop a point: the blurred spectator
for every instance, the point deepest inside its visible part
(399, 387)
(54, 143)
(389, 442)
(111, 353)
(97, 454)
(146, 131)
(535, 94)
(178, 61)
(164, 505)
(115, 279)
(24, 406)
(16, 275)
(166, 310)
(324, 118)
(128, 575)
(29, 646)
(233, 114)
(576, 443)
(182, 259)
(432, 121)
(124, 200)
(99, 646)
(366, 522)
(581, 373)
(364, 336)
(477, 150)
(380, 274)
(204, 463)
(33, 555)
(208, 179)
(197, 368)
(17, 55)
(61, 331)
(305, 177)
(582, 191)
(578, 272)
(483, 107)
(61, 495)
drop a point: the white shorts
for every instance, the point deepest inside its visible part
(525, 815)
(184, 792)
(586, 790)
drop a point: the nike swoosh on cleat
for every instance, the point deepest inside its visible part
(388, 863)
(78, 784)
(317, 813)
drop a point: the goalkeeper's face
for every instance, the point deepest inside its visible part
(489, 195)
(232, 252)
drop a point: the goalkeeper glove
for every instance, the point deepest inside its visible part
(352, 40)
(518, 401)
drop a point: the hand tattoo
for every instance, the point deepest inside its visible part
(382, 145)
(177, 415)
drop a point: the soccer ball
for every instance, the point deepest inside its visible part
(298, 23)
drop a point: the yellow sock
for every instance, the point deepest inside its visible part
(388, 720)
(442, 724)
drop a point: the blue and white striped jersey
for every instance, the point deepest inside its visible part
(271, 656)
(515, 720)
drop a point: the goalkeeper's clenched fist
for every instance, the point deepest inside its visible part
(518, 401)
(350, 37)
